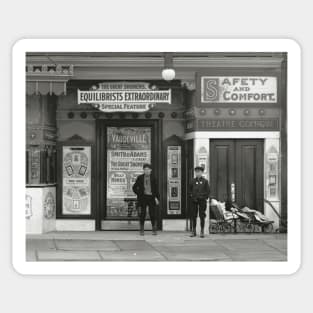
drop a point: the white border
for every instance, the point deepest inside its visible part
(147, 45)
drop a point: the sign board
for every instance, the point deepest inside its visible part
(269, 124)
(272, 164)
(76, 180)
(28, 206)
(174, 180)
(238, 89)
(123, 97)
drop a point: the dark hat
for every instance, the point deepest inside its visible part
(147, 165)
(199, 168)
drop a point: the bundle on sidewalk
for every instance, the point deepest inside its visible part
(226, 217)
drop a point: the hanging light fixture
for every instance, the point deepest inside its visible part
(168, 72)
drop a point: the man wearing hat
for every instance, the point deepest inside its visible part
(146, 189)
(199, 191)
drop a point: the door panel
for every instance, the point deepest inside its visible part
(238, 162)
(249, 173)
(221, 168)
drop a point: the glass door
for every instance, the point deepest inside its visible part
(127, 149)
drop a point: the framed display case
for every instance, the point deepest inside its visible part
(75, 179)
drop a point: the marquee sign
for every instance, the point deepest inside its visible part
(238, 89)
(123, 97)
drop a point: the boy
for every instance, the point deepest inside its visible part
(199, 192)
(147, 192)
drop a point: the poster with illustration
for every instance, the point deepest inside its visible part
(174, 180)
(128, 148)
(76, 180)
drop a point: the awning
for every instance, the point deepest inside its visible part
(46, 87)
(44, 79)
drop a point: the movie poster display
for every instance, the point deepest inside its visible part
(128, 148)
(76, 180)
(174, 180)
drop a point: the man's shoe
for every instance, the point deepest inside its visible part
(154, 230)
(202, 233)
(193, 234)
(142, 230)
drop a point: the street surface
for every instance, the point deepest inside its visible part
(166, 246)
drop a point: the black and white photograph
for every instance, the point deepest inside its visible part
(156, 156)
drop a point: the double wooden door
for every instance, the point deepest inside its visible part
(236, 171)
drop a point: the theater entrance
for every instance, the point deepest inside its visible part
(122, 149)
(236, 171)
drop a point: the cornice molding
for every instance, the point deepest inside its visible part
(135, 67)
(158, 62)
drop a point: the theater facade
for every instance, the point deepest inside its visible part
(93, 120)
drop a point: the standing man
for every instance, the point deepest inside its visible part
(147, 192)
(199, 191)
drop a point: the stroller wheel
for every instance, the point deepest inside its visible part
(213, 228)
(226, 228)
(268, 228)
(249, 228)
(240, 227)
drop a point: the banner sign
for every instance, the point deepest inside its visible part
(76, 180)
(174, 180)
(269, 124)
(238, 89)
(123, 97)
(128, 148)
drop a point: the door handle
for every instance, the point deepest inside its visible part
(233, 192)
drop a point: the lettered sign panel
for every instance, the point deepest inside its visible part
(238, 89)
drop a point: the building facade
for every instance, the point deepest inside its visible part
(93, 119)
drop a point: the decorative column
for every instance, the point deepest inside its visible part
(43, 84)
(272, 179)
(40, 164)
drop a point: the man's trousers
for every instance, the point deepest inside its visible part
(198, 207)
(147, 201)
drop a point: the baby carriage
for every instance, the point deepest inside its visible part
(259, 220)
(223, 221)
(244, 223)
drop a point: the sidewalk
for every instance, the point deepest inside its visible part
(166, 246)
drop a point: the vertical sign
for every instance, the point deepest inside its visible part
(272, 161)
(201, 157)
(173, 180)
(76, 180)
(28, 207)
(128, 148)
(34, 166)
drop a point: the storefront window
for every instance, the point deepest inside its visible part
(128, 148)
(40, 165)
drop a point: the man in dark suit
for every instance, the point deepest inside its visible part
(146, 189)
(199, 191)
